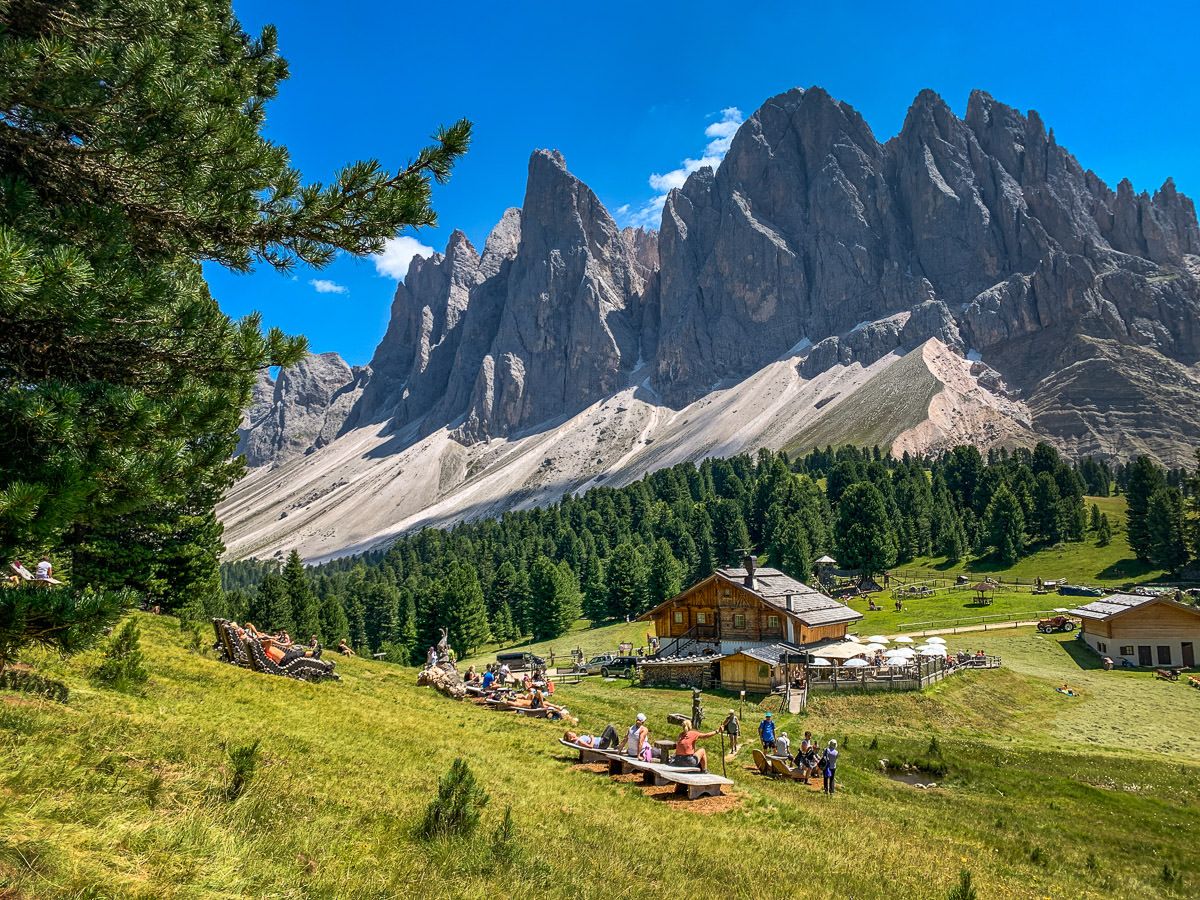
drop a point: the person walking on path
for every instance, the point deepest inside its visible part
(829, 766)
(766, 733)
(733, 728)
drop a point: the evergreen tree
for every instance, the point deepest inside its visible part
(1166, 529)
(1145, 477)
(730, 535)
(625, 575)
(305, 611)
(408, 632)
(595, 592)
(1004, 525)
(466, 613)
(1094, 524)
(132, 151)
(792, 552)
(335, 626)
(863, 531)
(1103, 531)
(272, 609)
(665, 578)
(554, 600)
(509, 588)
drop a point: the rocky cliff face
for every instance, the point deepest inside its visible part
(981, 232)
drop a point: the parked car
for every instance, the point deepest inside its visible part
(611, 666)
(519, 662)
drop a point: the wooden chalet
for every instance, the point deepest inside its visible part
(734, 609)
(1146, 631)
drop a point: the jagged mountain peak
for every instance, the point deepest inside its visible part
(813, 247)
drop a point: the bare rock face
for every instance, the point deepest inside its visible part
(444, 678)
(301, 411)
(981, 232)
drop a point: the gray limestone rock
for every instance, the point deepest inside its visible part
(981, 231)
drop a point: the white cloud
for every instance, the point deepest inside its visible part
(324, 286)
(397, 253)
(721, 133)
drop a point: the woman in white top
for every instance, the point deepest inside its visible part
(44, 571)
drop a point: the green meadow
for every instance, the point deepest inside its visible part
(1038, 795)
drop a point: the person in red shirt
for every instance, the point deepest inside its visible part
(686, 752)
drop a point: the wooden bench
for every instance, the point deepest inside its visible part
(588, 754)
(696, 785)
(659, 774)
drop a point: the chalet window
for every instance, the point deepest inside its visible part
(739, 621)
(772, 621)
(1103, 647)
(726, 592)
(701, 619)
(679, 617)
(1125, 651)
(764, 671)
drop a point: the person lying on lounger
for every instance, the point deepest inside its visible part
(608, 738)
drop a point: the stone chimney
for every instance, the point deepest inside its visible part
(749, 563)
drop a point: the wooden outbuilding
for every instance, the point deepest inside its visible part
(756, 670)
(737, 608)
(1146, 631)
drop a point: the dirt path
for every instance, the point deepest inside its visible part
(990, 626)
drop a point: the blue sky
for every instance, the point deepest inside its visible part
(630, 91)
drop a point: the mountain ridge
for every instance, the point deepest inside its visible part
(1076, 303)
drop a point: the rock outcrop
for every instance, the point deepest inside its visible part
(812, 239)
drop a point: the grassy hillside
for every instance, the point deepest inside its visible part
(125, 796)
(887, 405)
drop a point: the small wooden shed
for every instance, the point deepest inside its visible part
(756, 670)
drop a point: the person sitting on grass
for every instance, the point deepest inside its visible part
(344, 648)
(608, 738)
(687, 754)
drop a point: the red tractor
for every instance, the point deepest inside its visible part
(1058, 623)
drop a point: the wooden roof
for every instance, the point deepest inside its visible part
(1111, 607)
(808, 605)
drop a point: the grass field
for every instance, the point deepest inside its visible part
(1080, 563)
(116, 796)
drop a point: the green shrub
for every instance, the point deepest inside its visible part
(505, 846)
(455, 810)
(123, 666)
(243, 760)
(964, 890)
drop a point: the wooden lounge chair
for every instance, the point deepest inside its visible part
(303, 669)
(795, 773)
(760, 760)
(235, 652)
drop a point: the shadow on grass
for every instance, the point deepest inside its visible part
(1127, 568)
(1082, 654)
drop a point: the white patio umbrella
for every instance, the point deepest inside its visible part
(935, 650)
(821, 661)
(903, 639)
(935, 640)
(855, 663)
(878, 639)
(897, 661)
(900, 653)
(874, 647)
(845, 650)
